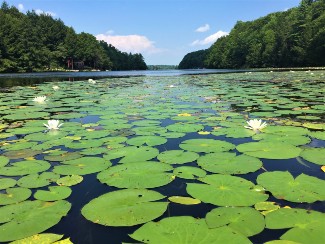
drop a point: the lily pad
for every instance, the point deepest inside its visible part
(139, 175)
(15, 195)
(229, 163)
(127, 207)
(188, 172)
(38, 180)
(270, 150)
(23, 153)
(25, 167)
(186, 128)
(314, 155)
(82, 166)
(132, 154)
(29, 218)
(55, 193)
(226, 190)
(184, 200)
(282, 185)
(7, 183)
(45, 238)
(206, 145)
(185, 229)
(306, 226)
(244, 220)
(69, 180)
(177, 157)
(147, 140)
(3, 161)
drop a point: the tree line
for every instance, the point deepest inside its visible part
(37, 42)
(292, 38)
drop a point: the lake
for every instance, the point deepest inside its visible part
(163, 157)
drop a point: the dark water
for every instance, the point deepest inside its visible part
(25, 79)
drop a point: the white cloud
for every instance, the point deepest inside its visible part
(39, 12)
(130, 43)
(110, 32)
(210, 39)
(20, 7)
(203, 28)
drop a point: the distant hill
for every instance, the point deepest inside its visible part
(161, 67)
(292, 38)
(32, 42)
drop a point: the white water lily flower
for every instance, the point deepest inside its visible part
(255, 124)
(55, 88)
(39, 99)
(91, 81)
(53, 124)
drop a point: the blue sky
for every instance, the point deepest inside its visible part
(163, 31)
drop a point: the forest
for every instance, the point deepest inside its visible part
(292, 38)
(34, 42)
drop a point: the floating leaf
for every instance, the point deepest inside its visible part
(38, 180)
(244, 220)
(69, 180)
(139, 175)
(314, 155)
(184, 200)
(125, 207)
(55, 193)
(282, 185)
(185, 229)
(7, 183)
(82, 166)
(229, 163)
(146, 140)
(29, 218)
(177, 157)
(23, 153)
(188, 172)
(226, 190)
(132, 154)
(25, 167)
(45, 238)
(270, 150)
(206, 145)
(14, 195)
(307, 226)
(3, 161)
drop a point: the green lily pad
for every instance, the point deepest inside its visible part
(306, 226)
(206, 145)
(184, 200)
(295, 140)
(3, 161)
(282, 185)
(226, 190)
(177, 157)
(266, 207)
(320, 135)
(146, 140)
(55, 193)
(132, 154)
(244, 220)
(63, 157)
(270, 150)
(38, 180)
(229, 163)
(15, 195)
(314, 155)
(185, 229)
(7, 183)
(125, 207)
(69, 180)
(29, 218)
(23, 153)
(45, 238)
(188, 172)
(25, 167)
(137, 175)
(186, 128)
(82, 166)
